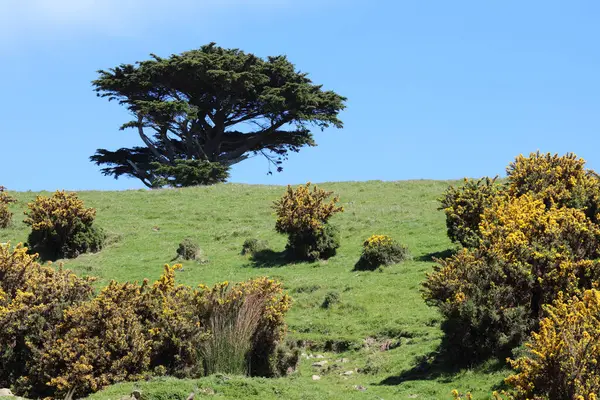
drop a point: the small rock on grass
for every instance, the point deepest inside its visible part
(316, 378)
(360, 387)
(319, 364)
(5, 392)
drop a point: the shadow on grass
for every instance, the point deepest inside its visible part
(269, 259)
(443, 365)
(437, 254)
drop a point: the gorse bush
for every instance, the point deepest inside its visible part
(5, 214)
(61, 227)
(33, 299)
(556, 180)
(60, 340)
(381, 250)
(463, 206)
(562, 361)
(303, 215)
(531, 247)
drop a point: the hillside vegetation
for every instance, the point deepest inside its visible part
(380, 329)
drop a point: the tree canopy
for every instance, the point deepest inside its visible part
(212, 105)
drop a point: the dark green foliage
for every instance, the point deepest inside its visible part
(285, 359)
(188, 250)
(253, 246)
(314, 244)
(493, 317)
(464, 205)
(381, 250)
(198, 105)
(331, 298)
(190, 173)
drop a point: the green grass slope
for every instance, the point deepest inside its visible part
(145, 227)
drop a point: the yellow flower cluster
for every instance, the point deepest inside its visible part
(563, 355)
(304, 209)
(378, 241)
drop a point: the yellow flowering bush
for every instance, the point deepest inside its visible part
(303, 214)
(463, 206)
(61, 340)
(61, 226)
(33, 298)
(380, 250)
(5, 214)
(556, 180)
(562, 359)
(491, 296)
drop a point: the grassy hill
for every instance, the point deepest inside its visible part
(376, 308)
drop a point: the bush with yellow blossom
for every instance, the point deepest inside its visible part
(62, 341)
(532, 247)
(381, 250)
(5, 214)
(303, 214)
(61, 226)
(562, 357)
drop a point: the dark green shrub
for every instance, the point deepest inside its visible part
(188, 250)
(314, 245)
(253, 246)
(331, 299)
(463, 206)
(285, 359)
(190, 173)
(61, 227)
(381, 250)
(5, 214)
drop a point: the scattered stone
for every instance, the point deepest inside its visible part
(316, 377)
(413, 396)
(136, 394)
(5, 392)
(348, 373)
(320, 356)
(304, 355)
(207, 391)
(360, 387)
(191, 396)
(342, 360)
(319, 364)
(156, 228)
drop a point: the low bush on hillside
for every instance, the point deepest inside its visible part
(463, 206)
(62, 340)
(532, 247)
(5, 214)
(188, 250)
(253, 246)
(381, 250)
(562, 357)
(303, 215)
(61, 227)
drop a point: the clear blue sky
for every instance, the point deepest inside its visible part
(437, 89)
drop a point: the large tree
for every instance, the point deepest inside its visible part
(212, 105)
